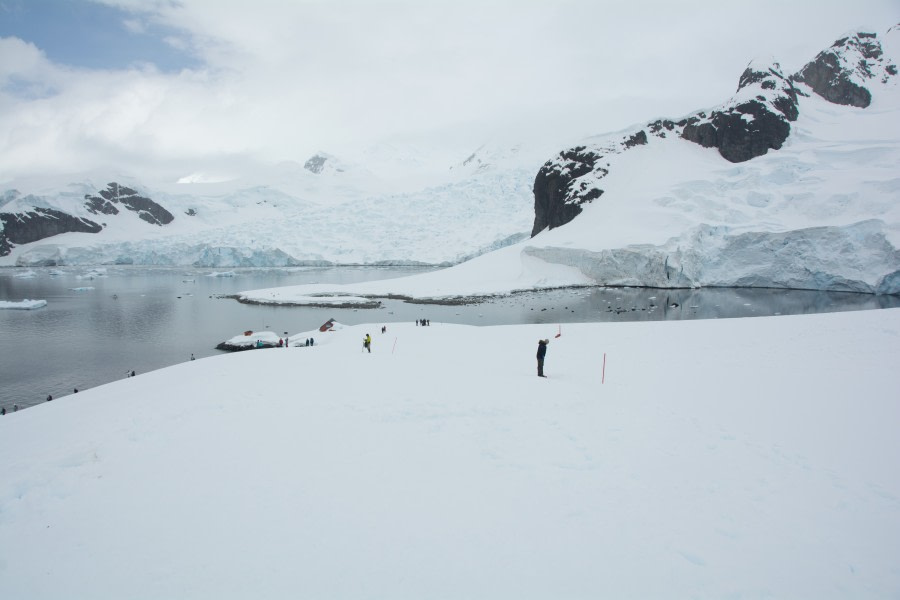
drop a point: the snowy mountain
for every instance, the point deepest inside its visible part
(329, 210)
(787, 184)
(792, 182)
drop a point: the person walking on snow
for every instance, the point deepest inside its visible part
(367, 342)
(541, 353)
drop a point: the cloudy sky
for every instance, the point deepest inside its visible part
(170, 87)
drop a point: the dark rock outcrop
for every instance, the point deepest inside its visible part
(115, 194)
(557, 192)
(749, 127)
(839, 74)
(37, 224)
(315, 164)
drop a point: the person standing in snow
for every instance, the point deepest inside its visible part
(541, 353)
(367, 343)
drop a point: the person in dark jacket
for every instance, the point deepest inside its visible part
(541, 353)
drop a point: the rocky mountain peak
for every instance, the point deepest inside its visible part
(843, 73)
(321, 163)
(107, 200)
(766, 73)
(316, 163)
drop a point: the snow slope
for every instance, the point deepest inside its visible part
(723, 458)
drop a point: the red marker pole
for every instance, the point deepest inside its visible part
(559, 331)
(603, 376)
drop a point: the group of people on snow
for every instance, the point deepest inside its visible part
(367, 345)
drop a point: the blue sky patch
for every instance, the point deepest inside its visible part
(81, 33)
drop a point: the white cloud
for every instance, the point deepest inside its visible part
(282, 80)
(134, 25)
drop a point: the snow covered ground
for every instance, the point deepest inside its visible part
(721, 458)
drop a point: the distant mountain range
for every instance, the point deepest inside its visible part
(792, 182)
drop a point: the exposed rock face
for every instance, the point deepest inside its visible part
(755, 121)
(115, 194)
(33, 224)
(558, 193)
(315, 164)
(37, 224)
(840, 74)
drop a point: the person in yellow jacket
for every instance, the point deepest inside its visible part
(367, 343)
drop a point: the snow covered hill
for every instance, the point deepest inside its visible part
(735, 458)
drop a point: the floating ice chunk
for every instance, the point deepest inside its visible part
(25, 304)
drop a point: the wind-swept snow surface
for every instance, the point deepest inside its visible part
(723, 458)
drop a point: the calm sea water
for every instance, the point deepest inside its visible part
(95, 329)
